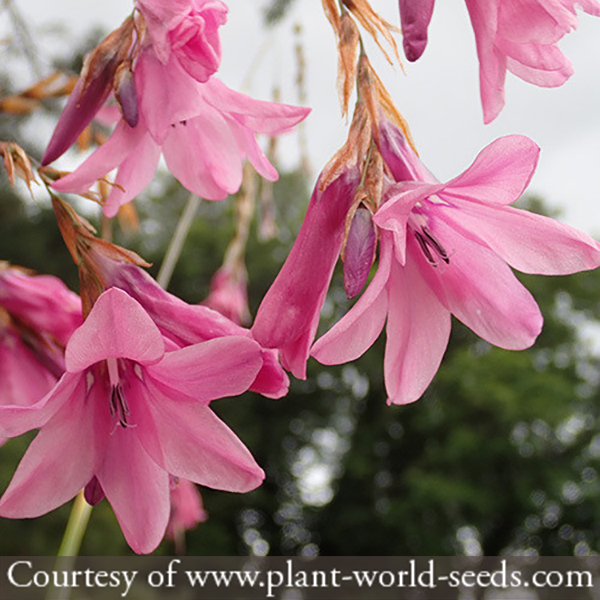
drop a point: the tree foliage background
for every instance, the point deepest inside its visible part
(501, 455)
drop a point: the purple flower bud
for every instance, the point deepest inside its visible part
(126, 95)
(360, 251)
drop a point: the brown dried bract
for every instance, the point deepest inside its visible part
(349, 40)
(87, 251)
(55, 85)
(104, 60)
(353, 151)
(17, 164)
(374, 25)
(330, 7)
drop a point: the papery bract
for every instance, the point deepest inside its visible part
(126, 416)
(204, 131)
(445, 248)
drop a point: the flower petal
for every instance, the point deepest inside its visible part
(117, 327)
(196, 445)
(259, 116)
(137, 489)
(58, 464)
(418, 330)
(225, 366)
(500, 172)
(123, 141)
(479, 288)
(529, 242)
(134, 174)
(16, 420)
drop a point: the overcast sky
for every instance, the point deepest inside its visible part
(439, 95)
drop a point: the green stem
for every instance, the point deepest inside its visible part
(80, 515)
(71, 543)
(176, 245)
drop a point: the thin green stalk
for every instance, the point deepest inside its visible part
(177, 241)
(71, 543)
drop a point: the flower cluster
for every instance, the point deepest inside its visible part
(119, 381)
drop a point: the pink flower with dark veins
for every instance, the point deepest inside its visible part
(126, 416)
(204, 131)
(446, 249)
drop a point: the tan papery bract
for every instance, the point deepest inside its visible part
(349, 40)
(374, 25)
(330, 7)
(17, 164)
(353, 151)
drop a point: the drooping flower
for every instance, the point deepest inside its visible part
(189, 29)
(288, 315)
(204, 131)
(126, 416)
(228, 295)
(187, 509)
(38, 314)
(447, 248)
(520, 36)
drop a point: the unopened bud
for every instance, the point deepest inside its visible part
(359, 253)
(93, 492)
(126, 95)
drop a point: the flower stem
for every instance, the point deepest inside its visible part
(80, 515)
(71, 543)
(176, 245)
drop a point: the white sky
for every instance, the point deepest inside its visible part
(439, 95)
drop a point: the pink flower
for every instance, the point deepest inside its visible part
(186, 509)
(229, 295)
(415, 16)
(38, 314)
(288, 316)
(183, 324)
(126, 416)
(204, 132)
(445, 248)
(521, 36)
(189, 29)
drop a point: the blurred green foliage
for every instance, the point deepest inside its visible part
(499, 456)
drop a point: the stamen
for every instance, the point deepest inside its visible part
(436, 245)
(428, 242)
(119, 407)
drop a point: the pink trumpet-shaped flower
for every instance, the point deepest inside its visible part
(126, 416)
(521, 36)
(187, 509)
(228, 294)
(183, 324)
(189, 29)
(204, 132)
(288, 316)
(445, 248)
(38, 314)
